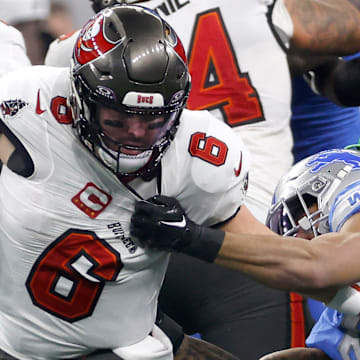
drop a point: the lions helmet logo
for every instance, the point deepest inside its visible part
(325, 158)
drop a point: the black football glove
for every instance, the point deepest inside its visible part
(160, 222)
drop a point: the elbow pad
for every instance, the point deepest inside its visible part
(347, 300)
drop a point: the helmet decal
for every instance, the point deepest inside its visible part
(128, 66)
(177, 97)
(150, 100)
(179, 48)
(106, 92)
(305, 196)
(175, 42)
(329, 157)
(93, 42)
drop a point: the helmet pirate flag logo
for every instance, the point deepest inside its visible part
(93, 41)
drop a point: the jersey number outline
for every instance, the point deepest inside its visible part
(208, 148)
(60, 110)
(217, 82)
(68, 277)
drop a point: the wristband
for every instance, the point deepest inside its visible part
(206, 242)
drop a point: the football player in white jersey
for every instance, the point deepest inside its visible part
(232, 79)
(12, 44)
(318, 200)
(80, 148)
(230, 66)
(29, 17)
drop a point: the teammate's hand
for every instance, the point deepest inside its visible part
(160, 222)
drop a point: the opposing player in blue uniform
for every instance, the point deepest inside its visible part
(318, 200)
(336, 334)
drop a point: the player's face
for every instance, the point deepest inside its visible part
(306, 234)
(132, 130)
(301, 233)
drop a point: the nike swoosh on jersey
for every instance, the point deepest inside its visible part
(180, 224)
(238, 170)
(39, 111)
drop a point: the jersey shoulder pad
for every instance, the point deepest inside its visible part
(13, 46)
(27, 95)
(206, 168)
(27, 114)
(346, 204)
(215, 155)
(61, 49)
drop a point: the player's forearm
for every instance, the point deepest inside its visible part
(279, 262)
(194, 349)
(297, 354)
(324, 26)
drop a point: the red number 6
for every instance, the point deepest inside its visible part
(210, 149)
(68, 277)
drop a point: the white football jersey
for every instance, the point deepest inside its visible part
(72, 279)
(239, 72)
(61, 49)
(12, 48)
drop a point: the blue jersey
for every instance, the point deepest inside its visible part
(336, 334)
(318, 124)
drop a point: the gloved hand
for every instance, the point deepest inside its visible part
(160, 222)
